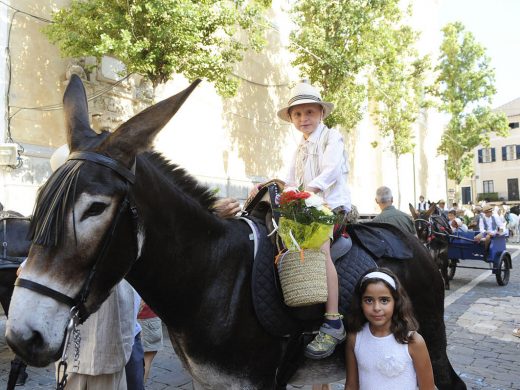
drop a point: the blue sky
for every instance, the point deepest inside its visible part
(496, 26)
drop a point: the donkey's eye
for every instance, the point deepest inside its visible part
(95, 208)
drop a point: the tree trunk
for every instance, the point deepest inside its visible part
(398, 181)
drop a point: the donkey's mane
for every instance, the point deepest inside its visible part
(181, 179)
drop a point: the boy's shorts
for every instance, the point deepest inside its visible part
(151, 334)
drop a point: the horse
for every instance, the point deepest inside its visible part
(433, 231)
(116, 209)
(512, 225)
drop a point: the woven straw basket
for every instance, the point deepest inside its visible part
(303, 282)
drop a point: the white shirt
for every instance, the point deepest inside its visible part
(383, 363)
(489, 221)
(330, 178)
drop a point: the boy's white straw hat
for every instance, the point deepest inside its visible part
(304, 93)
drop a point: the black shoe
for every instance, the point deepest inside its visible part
(22, 377)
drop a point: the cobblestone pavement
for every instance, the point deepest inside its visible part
(480, 316)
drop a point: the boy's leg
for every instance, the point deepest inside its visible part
(332, 332)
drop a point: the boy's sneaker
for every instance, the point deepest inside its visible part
(324, 343)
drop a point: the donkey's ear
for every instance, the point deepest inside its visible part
(136, 134)
(79, 133)
(413, 211)
(430, 211)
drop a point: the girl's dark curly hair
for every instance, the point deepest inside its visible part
(403, 319)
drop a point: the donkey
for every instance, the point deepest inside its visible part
(433, 230)
(512, 221)
(96, 222)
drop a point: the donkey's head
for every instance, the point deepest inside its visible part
(84, 228)
(422, 222)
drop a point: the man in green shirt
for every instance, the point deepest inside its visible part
(389, 214)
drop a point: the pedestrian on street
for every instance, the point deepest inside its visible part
(389, 214)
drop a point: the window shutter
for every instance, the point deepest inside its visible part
(493, 155)
(517, 151)
(504, 153)
(480, 155)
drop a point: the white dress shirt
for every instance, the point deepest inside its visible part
(324, 168)
(489, 221)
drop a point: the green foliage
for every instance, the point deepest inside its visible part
(397, 88)
(465, 86)
(158, 38)
(334, 43)
(489, 196)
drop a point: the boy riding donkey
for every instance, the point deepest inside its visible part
(319, 165)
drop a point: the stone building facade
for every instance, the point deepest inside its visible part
(227, 143)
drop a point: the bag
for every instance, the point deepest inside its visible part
(303, 281)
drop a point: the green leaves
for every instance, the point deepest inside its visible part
(158, 38)
(464, 87)
(335, 42)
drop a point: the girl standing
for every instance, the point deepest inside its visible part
(384, 350)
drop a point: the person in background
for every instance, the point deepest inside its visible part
(134, 368)
(422, 205)
(389, 214)
(458, 226)
(441, 208)
(384, 349)
(489, 226)
(152, 335)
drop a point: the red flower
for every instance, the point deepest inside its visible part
(291, 196)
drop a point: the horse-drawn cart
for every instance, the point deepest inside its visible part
(463, 246)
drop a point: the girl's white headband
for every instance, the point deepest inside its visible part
(381, 275)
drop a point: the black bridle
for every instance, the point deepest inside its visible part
(78, 302)
(435, 229)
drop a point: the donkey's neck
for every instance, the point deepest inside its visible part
(184, 247)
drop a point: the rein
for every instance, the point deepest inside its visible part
(79, 312)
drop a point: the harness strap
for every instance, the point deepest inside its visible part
(106, 161)
(254, 235)
(40, 288)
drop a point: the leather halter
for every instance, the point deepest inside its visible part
(428, 224)
(79, 300)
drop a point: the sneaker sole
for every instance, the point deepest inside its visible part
(314, 356)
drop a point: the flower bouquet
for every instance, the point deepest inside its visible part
(306, 222)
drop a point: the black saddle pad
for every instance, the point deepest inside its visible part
(10, 262)
(381, 240)
(280, 320)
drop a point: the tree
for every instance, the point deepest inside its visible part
(397, 88)
(159, 38)
(465, 86)
(334, 43)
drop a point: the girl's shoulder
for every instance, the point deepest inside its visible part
(416, 342)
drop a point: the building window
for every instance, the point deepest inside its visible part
(488, 186)
(486, 155)
(510, 152)
(513, 125)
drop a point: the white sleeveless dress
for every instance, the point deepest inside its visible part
(383, 363)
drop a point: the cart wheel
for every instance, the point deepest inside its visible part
(452, 267)
(502, 273)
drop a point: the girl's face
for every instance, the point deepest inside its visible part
(377, 304)
(306, 117)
